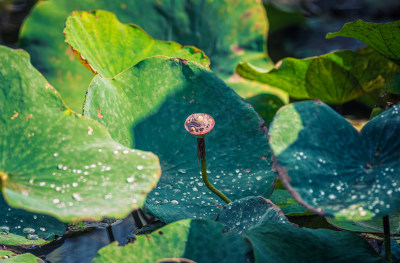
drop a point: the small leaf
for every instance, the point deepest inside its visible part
(197, 240)
(334, 78)
(60, 163)
(9, 256)
(146, 107)
(331, 168)
(384, 38)
(274, 242)
(287, 204)
(108, 47)
(244, 214)
(375, 225)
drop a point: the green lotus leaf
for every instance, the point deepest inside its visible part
(334, 78)
(56, 162)
(100, 40)
(236, 32)
(244, 214)
(331, 168)
(146, 107)
(275, 242)
(109, 47)
(370, 226)
(286, 203)
(20, 223)
(384, 38)
(10, 239)
(197, 240)
(9, 257)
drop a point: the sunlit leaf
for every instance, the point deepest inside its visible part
(334, 78)
(384, 38)
(60, 163)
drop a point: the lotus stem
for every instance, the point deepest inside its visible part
(386, 231)
(199, 124)
(201, 147)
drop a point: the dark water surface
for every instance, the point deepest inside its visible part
(83, 248)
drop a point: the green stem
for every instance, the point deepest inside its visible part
(201, 147)
(386, 230)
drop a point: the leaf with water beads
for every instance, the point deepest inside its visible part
(244, 214)
(18, 227)
(331, 168)
(60, 163)
(146, 107)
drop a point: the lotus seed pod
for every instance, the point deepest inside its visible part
(199, 124)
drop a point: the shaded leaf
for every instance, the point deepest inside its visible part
(244, 214)
(375, 225)
(57, 162)
(147, 105)
(384, 38)
(197, 240)
(108, 47)
(334, 78)
(236, 32)
(274, 242)
(331, 168)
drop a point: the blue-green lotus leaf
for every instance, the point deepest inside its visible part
(249, 212)
(275, 242)
(330, 167)
(146, 107)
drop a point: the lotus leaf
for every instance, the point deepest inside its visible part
(197, 240)
(275, 242)
(287, 204)
(60, 163)
(370, 226)
(146, 106)
(236, 32)
(11, 257)
(108, 47)
(249, 212)
(331, 168)
(334, 78)
(384, 38)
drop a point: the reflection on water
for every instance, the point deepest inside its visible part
(83, 248)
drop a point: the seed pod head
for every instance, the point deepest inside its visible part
(199, 124)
